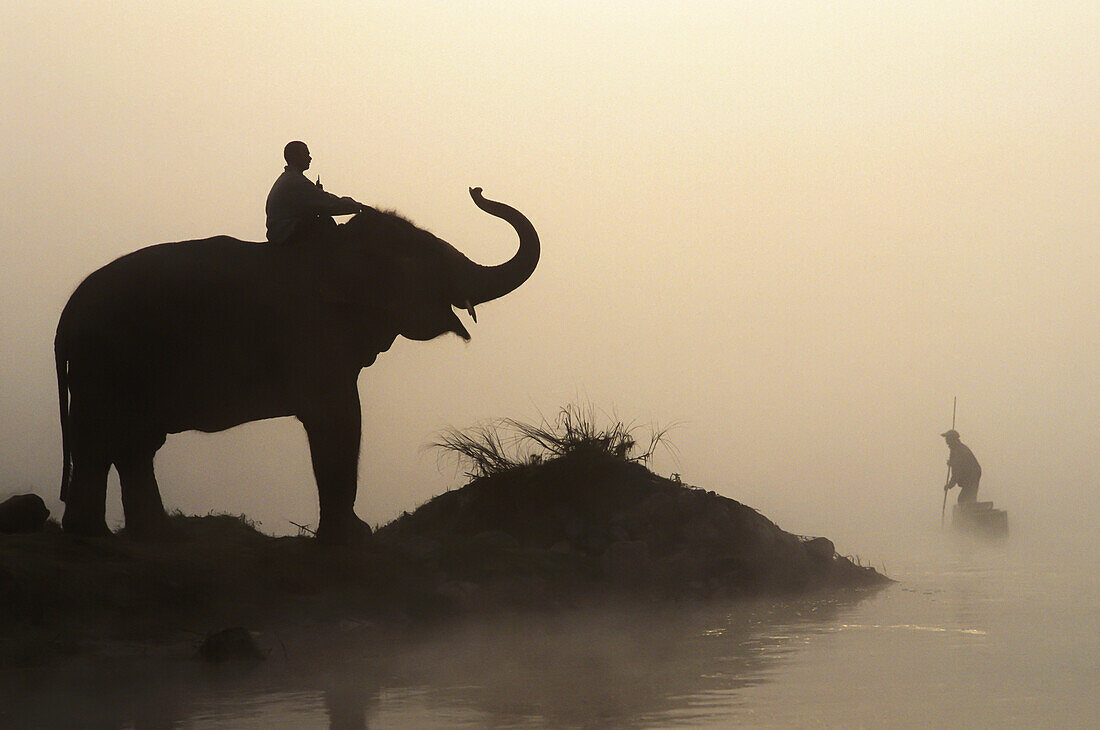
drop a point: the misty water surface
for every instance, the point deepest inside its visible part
(972, 635)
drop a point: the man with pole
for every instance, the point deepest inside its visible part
(963, 469)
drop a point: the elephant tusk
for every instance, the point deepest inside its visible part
(470, 309)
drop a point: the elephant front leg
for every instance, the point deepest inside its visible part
(333, 427)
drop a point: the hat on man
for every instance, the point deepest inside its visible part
(952, 434)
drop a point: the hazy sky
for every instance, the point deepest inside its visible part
(796, 229)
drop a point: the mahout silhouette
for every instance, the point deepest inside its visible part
(297, 208)
(209, 334)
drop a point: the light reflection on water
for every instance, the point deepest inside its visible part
(623, 667)
(982, 637)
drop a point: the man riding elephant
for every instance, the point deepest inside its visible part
(298, 209)
(209, 334)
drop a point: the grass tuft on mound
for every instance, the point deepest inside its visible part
(576, 433)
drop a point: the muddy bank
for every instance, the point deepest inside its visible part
(540, 536)
(65, 596)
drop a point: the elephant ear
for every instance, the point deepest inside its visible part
(402, 287)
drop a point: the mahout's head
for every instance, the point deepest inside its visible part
(296, 154)
(952, 436)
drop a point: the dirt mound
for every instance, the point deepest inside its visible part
(600, 520)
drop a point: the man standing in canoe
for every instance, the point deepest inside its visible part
(963, 469)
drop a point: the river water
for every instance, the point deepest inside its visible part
(972, 635)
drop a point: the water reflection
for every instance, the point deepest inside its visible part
(622, 667)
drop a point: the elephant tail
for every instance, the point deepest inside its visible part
(62, 364)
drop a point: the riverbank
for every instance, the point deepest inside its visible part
(580, 529)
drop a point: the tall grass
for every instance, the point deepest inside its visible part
(507, 443)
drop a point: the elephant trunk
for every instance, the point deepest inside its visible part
(490, 282)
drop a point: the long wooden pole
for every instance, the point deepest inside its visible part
(943, 508)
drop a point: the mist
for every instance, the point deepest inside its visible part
(796, 232)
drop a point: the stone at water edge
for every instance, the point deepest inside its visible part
(23, 513)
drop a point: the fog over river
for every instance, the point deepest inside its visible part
(792, 231)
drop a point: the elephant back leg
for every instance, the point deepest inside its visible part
(141, 502)
(86, 493)
(334, 429)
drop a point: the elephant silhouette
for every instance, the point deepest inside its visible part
(209, 334)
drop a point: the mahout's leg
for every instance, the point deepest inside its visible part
(334, 427)
(141, 503)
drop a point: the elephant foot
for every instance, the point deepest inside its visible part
(75, 524)
(353, 531)
(151, 528)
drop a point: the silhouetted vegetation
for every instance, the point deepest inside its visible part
(507, 443)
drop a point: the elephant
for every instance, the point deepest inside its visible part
(209, 334)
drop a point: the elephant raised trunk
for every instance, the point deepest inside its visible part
(486, 283)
